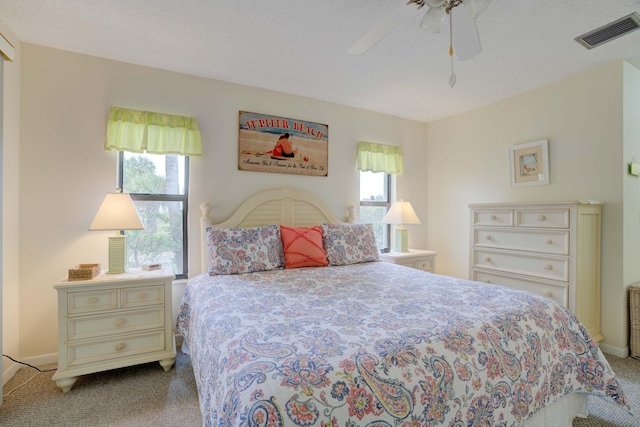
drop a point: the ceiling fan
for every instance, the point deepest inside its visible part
(463, 33)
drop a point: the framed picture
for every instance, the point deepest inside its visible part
(529, 163)
(282, 145)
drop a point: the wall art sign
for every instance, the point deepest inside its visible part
(282, 145)
(529, 163)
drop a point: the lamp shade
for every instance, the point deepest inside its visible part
(401, 213)
(116, 212)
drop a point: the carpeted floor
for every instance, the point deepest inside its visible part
(145, 395)
(137, 396)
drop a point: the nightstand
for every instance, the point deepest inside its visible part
(415, 258)
(113, 321)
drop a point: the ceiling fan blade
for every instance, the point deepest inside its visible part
(381, 30)
(466, 41)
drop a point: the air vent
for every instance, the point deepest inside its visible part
(610, 31)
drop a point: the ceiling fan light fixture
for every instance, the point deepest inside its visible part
(432, 19)
(435, 3)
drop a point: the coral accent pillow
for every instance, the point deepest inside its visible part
(303, 247)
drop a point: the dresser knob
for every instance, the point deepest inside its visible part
(120, 322)
(541, 218)
(143, 296)
(492, 217)
(120, 346)
(548, 267)
(549, 242)
(547, 294)
(487, 258)
(93, 300)
(488, 237)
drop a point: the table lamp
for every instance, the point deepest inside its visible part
(401, 213)
(117, 212)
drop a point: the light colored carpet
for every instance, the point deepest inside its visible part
(137, 396)
(145, 395)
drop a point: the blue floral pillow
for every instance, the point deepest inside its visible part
(349, 243)
(244, 250)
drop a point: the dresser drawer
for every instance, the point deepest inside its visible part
(81, 327)
(552, 242)
(548, 267)
(494, 217)
(542, 218)
(138, 297)
(127, 345)
(557, 292)
(93, 300)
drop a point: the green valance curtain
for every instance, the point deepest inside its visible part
(375, 157)
(155, 133)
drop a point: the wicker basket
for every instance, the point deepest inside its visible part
(84, 272)
(634, 317)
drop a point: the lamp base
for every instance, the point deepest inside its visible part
(117, 251)
(402, 240)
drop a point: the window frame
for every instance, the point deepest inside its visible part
(386, 238)
(156, 197)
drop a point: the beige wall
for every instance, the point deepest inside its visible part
(10, 217)
(64, 171)
(582, 117)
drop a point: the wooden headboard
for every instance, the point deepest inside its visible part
(285, 206)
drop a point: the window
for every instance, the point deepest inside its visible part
(158, 185)
(374, 204)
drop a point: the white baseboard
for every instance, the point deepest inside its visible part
(9, 373)
(622, 352)
(44, 359)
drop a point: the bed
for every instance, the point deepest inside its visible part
(359, 342)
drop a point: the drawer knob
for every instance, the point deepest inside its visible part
(120, 346)
(492, 217)
(547, 294)
(548, 267)
(120, 322)
(487, 281)
(488, 237)
(549, 241)
(92, 300)
(487, 258)
(143, 295)
(541, 218)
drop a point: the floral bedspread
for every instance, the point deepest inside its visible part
(377, 344)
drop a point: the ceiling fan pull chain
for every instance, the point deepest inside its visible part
(452, 78)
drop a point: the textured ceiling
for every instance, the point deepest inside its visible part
(300, 46)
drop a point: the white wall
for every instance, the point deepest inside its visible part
(582, 117)
(10, 215)
(64, 172)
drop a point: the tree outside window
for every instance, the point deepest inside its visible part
(158, 186)
(374, 204)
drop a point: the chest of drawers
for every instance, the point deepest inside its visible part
(552, 249)
(113, 321)
(415, 258)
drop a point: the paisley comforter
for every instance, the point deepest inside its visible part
(378, 344)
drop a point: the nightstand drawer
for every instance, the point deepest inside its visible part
(94, 300)
(93, 351)
(122, 322)
(138, 297)
(419, 263)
